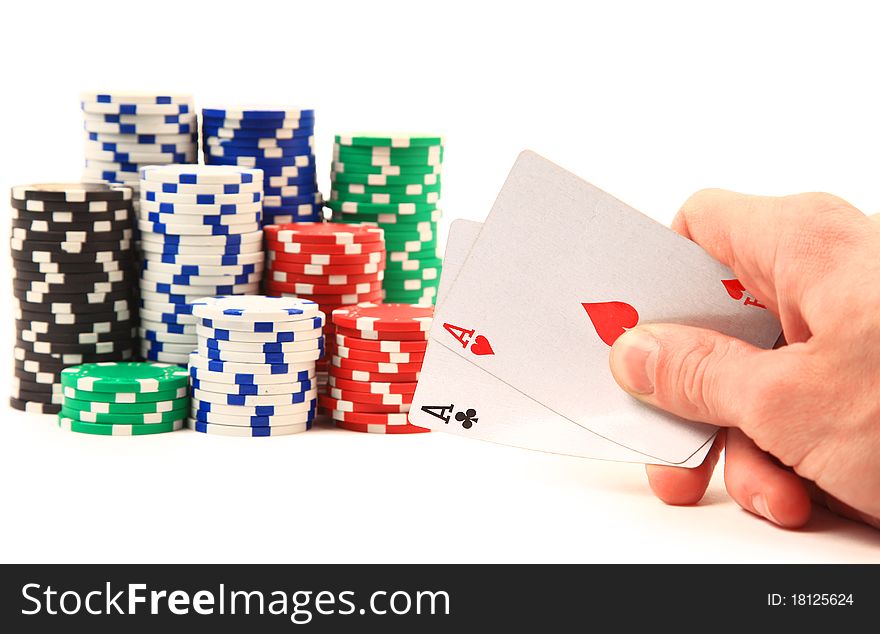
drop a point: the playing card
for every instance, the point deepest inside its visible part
(558, 271)
(450, 388)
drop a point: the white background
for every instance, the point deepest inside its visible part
(650, 101)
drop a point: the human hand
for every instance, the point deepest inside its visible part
(803, 420)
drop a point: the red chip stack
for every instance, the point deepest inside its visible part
(333, 265)
(375, 365)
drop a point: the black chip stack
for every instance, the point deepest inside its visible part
(73, 283)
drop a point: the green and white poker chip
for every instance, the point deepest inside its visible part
(125, 377)
(105, 429)
(102, 407)
(382, 180)
(126, 397)
(378, 139)
(125, 419)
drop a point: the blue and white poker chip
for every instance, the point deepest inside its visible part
(196, 188)
(272, 358)
(109, 107)
(202, 209)
(299, 137)
(201, 270)
(231, 151)
(252, 389)
(183, 220)
(136, 97)
(302, 330)
(249, 431)
(201, 199)
(200, 280)
(248, 378)
(204, 363)
(205, 230)
(253, 309)
(265, 346)
(262, 404)
(200, 174)
(258, 112)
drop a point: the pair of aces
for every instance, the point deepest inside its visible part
(529, 303)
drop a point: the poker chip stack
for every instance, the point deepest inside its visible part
(375, 366)
(72, 258)
(126, 131)
(394, 181)
(124, 399)
(253, 371)
(200, 237)
(277, 140)
(330, 264)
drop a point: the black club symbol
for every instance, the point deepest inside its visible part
(467, 418)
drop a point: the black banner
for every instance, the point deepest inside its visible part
(334, 598)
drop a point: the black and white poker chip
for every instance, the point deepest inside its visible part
(33, 407)
(71, 192)
(88, 266)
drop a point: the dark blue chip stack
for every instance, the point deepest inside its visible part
(278, 141)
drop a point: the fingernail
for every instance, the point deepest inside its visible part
(634, 360)
(759, 503)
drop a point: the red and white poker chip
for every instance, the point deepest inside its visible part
(304, 288)
(375, 366)
(328, 259)
(331, 404)
(397, 418)
(385, 317)
(324, 269)
(324, 233)
(378, 357)
(373, 428)
(329, 249)
(286, 277)
(379, 377)
(406, 388)
(356, 343)
(384, 335)
(369, 398)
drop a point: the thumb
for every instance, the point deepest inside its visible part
(698, 374)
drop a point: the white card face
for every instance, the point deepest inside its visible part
(503, 414)
(559, 270)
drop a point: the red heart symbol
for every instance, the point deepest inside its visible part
(481, 346)
(611, 319)
(734, 288)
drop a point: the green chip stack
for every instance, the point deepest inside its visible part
(393, 181)
(124, 398)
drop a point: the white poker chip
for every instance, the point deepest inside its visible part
(252, 308)
(201, 174)
(248, 411)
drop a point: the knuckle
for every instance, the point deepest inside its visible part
(692, 376)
